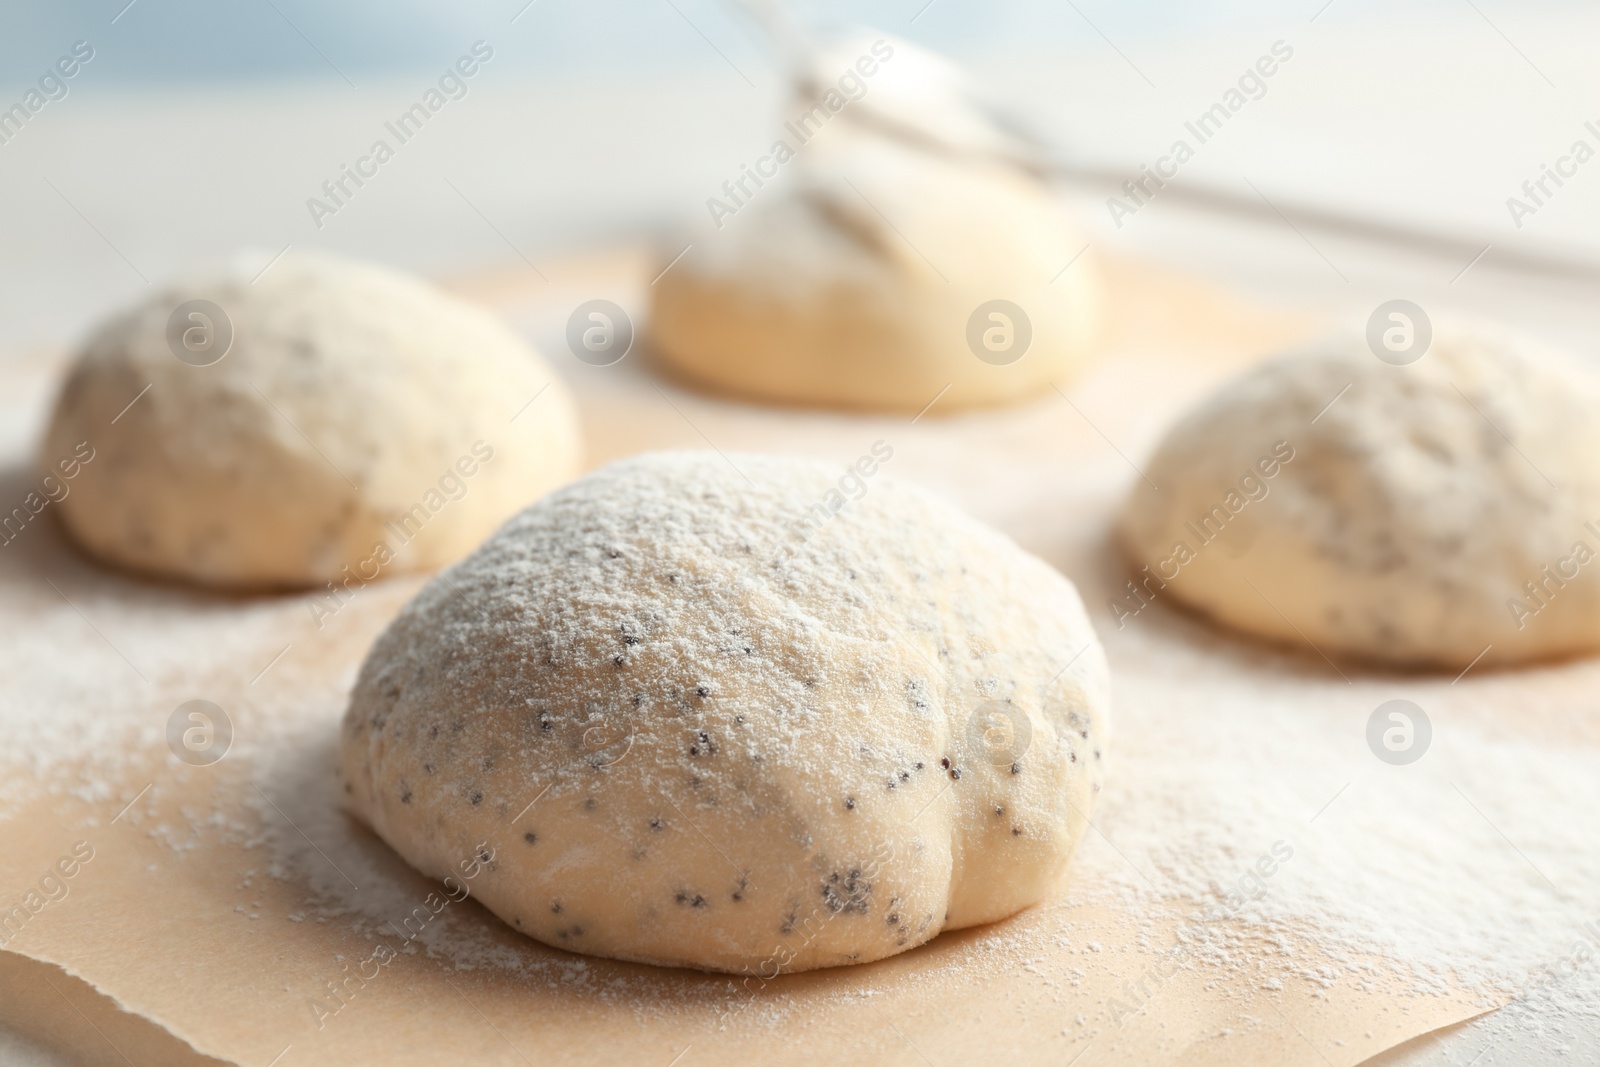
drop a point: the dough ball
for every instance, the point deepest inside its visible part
(1431, 511)
(361, 421)
(701, 721)
(866, 275)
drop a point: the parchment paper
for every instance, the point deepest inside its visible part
(219, 906)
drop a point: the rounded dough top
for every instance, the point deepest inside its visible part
(714, 723)
(851, 276)
(1428, 513)
(347, 414)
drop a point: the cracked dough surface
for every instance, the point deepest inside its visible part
(1416, 511)
(351, 397)
(678, 722)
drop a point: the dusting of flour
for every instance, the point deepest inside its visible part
(1221, 751)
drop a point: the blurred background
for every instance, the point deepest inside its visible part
(1377, 163)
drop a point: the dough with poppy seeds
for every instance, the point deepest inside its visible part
(703, 718)
(857, 285)
(356, 407)
(1431, 514)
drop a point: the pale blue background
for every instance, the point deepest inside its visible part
(165, 41)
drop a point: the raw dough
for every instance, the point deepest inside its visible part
(851, 279)
(1433, 511)
(360, 421)
(682, 718)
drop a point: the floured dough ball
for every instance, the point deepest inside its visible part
(879, 261)
(326, 422)
(1413, 515)
(701, 721)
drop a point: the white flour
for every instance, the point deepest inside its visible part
(1220, 749)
